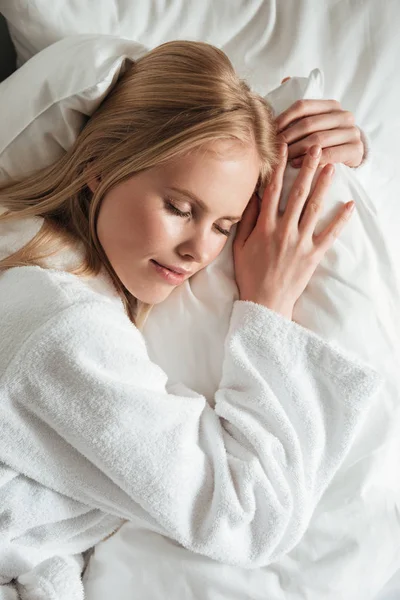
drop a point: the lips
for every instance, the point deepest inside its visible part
(167, 274)
(173, 268)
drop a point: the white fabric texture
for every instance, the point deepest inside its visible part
(90, 435)
(355, 45)
(354, 285)
(61, 100)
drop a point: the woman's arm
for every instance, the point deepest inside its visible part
(237, 483)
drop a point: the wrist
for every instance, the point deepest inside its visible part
(276, 306)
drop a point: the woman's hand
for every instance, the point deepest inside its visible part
(275, 254)
(324, 123)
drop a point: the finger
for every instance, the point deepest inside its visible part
(315, 123)
(272, 192)
(325, 139)
(248, 221)
(347, 154)
(301, 188)
(312, 209)
(305, 108)
(326, 238)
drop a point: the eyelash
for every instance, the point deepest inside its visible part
(178, 212)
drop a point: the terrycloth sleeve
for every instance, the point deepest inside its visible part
(237, 482)
(57, 578)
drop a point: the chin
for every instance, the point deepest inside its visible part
(153, 297)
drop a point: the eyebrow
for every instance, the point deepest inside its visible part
(200, 202)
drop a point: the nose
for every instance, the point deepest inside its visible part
(201, 246)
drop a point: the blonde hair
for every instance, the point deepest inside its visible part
(174, 99)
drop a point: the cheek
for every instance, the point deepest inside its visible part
(218, 247)
(129, 229)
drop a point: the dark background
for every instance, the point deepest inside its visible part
(7, 52)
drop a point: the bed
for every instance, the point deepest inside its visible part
(352, 548)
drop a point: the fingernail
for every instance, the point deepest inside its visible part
(315, 151)
(296, 162)
(350, 206)
(283, 149)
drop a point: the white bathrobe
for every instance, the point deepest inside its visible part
(91, 433)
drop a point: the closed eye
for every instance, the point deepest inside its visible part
(176, 211)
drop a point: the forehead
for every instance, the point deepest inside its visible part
(223, 175)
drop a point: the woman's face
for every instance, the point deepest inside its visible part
(138, 225)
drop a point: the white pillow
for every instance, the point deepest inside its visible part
(33, 26)
(265, 39)
(351, 299)
(65, 84)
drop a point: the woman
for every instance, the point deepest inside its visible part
(90, 436)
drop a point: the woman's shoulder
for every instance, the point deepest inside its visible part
(54, 290)
(34, 299)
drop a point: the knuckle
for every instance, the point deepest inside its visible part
(273, 188)
(299, 190)
(328, 155)
(338, 226)
(360, 147)
(348, 117)
(313, 207)
(303, 245)
(300, 105)
(316, 138)
(284, 232)
(309, 170)
(310, 165)
(307, 124)
(312, 258)
(307, 254)
(267, 228)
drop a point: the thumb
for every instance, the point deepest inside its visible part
(248, 221)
